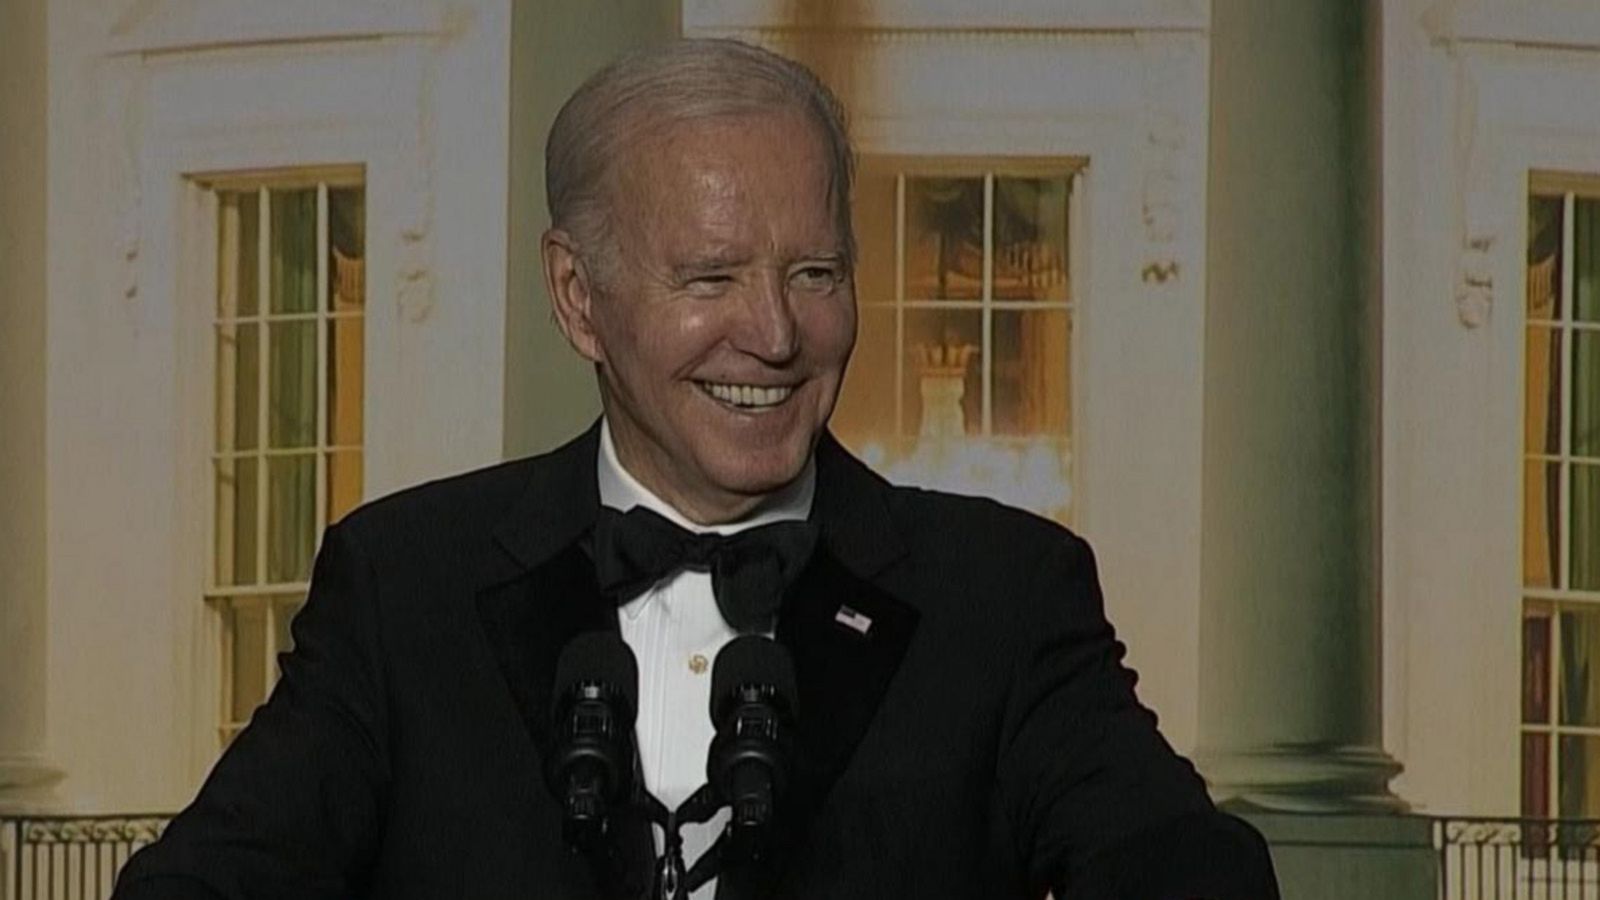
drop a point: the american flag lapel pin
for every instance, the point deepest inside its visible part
(858, 622)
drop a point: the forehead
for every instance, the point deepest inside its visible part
(764, 178)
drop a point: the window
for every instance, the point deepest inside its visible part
(961, 378)
(1561, 504)
(287, 451)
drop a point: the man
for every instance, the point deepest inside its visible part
(966, 728)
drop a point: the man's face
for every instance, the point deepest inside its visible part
(727, 313)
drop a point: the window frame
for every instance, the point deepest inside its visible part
(1552, 602)
(279, 600)
(1074, 170)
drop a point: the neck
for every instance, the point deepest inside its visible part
(706, 507)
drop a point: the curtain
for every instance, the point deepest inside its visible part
(292, 389)
(1585, 525)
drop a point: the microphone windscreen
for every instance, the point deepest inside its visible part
(752, 661)
(599, 658)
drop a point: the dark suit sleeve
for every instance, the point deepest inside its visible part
(292, 808)
(1101, 806)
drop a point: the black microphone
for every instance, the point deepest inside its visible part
(591, 763)
(753, 706)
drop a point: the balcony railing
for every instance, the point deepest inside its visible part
(1518, 859)
(78, 857)
(70, 857)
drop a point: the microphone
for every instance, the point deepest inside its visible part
(591, 764)
(753, 707)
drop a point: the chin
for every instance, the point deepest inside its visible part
(761, 472)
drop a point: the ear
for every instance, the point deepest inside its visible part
(571, 290)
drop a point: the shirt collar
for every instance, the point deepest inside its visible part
(621, 491)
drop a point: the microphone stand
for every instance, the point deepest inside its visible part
(672, 882)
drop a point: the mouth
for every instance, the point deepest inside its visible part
(747, 396)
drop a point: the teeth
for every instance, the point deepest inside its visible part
(747, 394)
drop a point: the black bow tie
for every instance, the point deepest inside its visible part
(749, 569)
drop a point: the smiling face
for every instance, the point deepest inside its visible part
(727, 313)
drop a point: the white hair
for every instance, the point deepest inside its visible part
(682, 80)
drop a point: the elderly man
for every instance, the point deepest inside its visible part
(965, 726)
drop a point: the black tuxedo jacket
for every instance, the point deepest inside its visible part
(981, 740)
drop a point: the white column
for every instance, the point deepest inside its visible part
(1290, 714)
(25, 776)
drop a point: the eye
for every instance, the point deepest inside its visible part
(815, 278)
(714, 283)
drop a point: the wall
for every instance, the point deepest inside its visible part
(142, 95)
(1477, 95)
(550, 394)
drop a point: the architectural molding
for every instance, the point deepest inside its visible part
(777, 36)
(1165, 213)
(1570, 24)
(1031, 17)
(174, 26)
(125, 83)
(1479, 224)
(416, 203)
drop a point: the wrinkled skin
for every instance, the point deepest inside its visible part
(727, 266)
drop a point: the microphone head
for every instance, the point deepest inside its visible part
(598, 660)
(752, 661)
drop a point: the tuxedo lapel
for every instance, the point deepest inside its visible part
(847, 638)
(847, 635)
(530, 617)
(528, 621)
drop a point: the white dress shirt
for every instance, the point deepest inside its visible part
(675, 630)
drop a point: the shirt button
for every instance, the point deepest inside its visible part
(698, 664)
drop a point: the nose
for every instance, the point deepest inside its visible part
(768, 329)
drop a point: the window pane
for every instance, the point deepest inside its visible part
(236, 521)
(873, 208)
(1542, 399)
(1536, 666)
(1032, 366)
(944, 238)
(238, 250)
(1586, 393)
(1586, 260)
(1544, 257)
(294, 251)
(1536, 776)
(344, 483)
(865, 414)
(1030, 239)
(249, 652)
(1585, 527)
(347, 235)
(1579, 772)
(345, 336)
(943, 372)
(1579, 695)
(1541, 523)
(238, 386)
(292, 390)
(291, 516)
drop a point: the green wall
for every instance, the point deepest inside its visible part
(556, 44)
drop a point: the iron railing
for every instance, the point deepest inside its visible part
(78, 857)
(70, 857)
(1518, 859)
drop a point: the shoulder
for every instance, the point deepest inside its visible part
(981, 532)
(468, 502)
